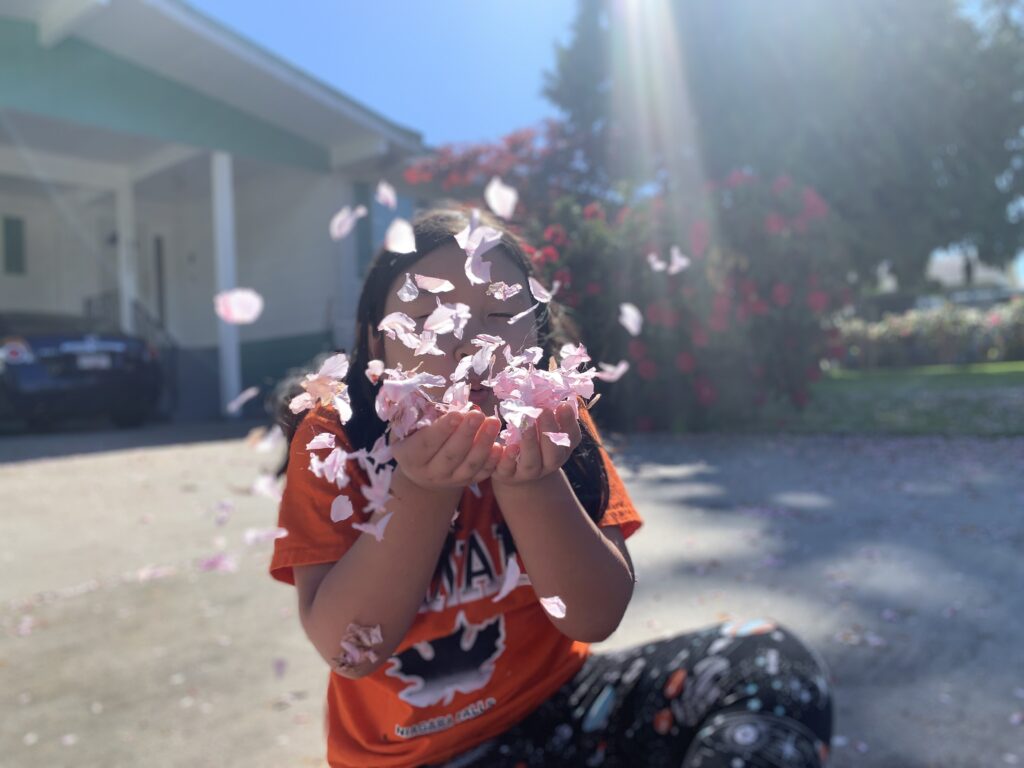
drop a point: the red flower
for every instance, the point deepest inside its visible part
(548, 253)
(818, 301)
(685, 362)
(758, 307)
(774, 224)
(781, 294)
(799, 398)
(653, 314)
(814, 206)
(813, 372)
(593, 211)
(700, 238)
(555, 234)
(781, 184)
(593, 288)
(699, 337)
(647, 370)
(637, 349)
(705, 391)
(564, 276)
(718, 322)
(738, 178)
(622, 215)
(416, 174)
(571, 299)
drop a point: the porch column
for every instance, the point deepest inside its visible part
(127, 259)
(225, 260)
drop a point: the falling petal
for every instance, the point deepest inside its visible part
(408, 291)
(375, 529)
(280, 665)
(612, 373)
(341, 508)
(503, 291)
(400, 237)
(261, 535)
(323, 440)
(656, 263)
(511, 580)
(522, 314)
(238, 306)
(678, 262)
(386, 195)
(554, 606)
(344, 220)
(241, 399)
(630, 318)
(374, 369)
(558, 438)
(540, 293)
(433, 284)
(501, 198)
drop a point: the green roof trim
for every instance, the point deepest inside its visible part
(84, 84)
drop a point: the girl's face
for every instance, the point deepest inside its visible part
(489, 315)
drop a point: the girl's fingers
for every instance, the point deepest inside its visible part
(480, 452)
(506, 468)
(425, 443)
(450, 455)
(492, 464)
(569, 424)
(531, 460)
(552, 456)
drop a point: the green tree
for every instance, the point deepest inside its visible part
(905, 116)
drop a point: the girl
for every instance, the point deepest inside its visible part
(465, 666)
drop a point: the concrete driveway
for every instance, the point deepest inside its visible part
(900, 560)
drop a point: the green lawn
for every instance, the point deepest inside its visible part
(984, 400)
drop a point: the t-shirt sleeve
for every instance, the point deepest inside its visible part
(305, 509)
(620, 511)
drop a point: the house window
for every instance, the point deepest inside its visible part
(14, 245)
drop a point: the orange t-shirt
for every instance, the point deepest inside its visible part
(469, 668)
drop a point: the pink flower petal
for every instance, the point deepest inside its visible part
(375, 529)
(260, 535)
(554, 606)
(323, 440)
(511, 580)
(386, 196)
(503, 291)
(678, 262)
(558, 438)
(631, 318)
(433, 284)
(345, 220)
(408, 291)
(501, 198)
(241, 399)
(400, 237)
(341, 508)
(612, 373)
(238, 306)
(374, 369)
(656, 263)
(396, 322)
(523, 314)
(540, 293)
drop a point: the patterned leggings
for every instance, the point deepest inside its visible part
(733, 695)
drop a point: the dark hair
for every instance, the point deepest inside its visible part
(433, 229)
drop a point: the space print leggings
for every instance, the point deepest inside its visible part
(733, 695)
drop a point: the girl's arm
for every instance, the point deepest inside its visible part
(385, 582)
(564, 552)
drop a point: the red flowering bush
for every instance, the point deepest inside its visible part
(735, 292)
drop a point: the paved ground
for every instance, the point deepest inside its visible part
(899, 560)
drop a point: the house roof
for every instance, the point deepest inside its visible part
(174, 40)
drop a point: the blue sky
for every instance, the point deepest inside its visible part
(454, 70)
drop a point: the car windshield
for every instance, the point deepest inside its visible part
(39, 323)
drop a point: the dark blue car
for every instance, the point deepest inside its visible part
(55, 367)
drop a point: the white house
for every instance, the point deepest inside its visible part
(150, 157)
